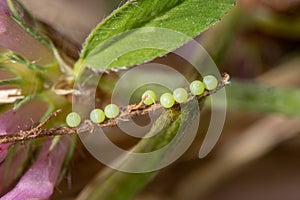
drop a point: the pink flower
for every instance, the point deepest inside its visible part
(22, 119)
(15, 38)
(3, 152)
(9, 169)
(4, 7)
(39, 181)
(11, 122)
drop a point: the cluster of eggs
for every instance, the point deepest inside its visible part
(167, 100)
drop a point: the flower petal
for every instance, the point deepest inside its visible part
(4, 6)
(39, 181)
(3, 152)
(9, 169)
(15, 38)
(22, 119)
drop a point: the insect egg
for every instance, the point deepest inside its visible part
(97, 116)
(167, 100)
(180, 95)
(150, 97)
(197, 87)
(111, 111)
(210, 82)
(73, 119)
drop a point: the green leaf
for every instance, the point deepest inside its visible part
(141, 30)
(170, 128)
(261, 98)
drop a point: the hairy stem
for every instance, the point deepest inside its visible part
(126, 112)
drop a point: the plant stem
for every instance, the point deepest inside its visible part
(126, 112)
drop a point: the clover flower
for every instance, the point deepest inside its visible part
(29, 60)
